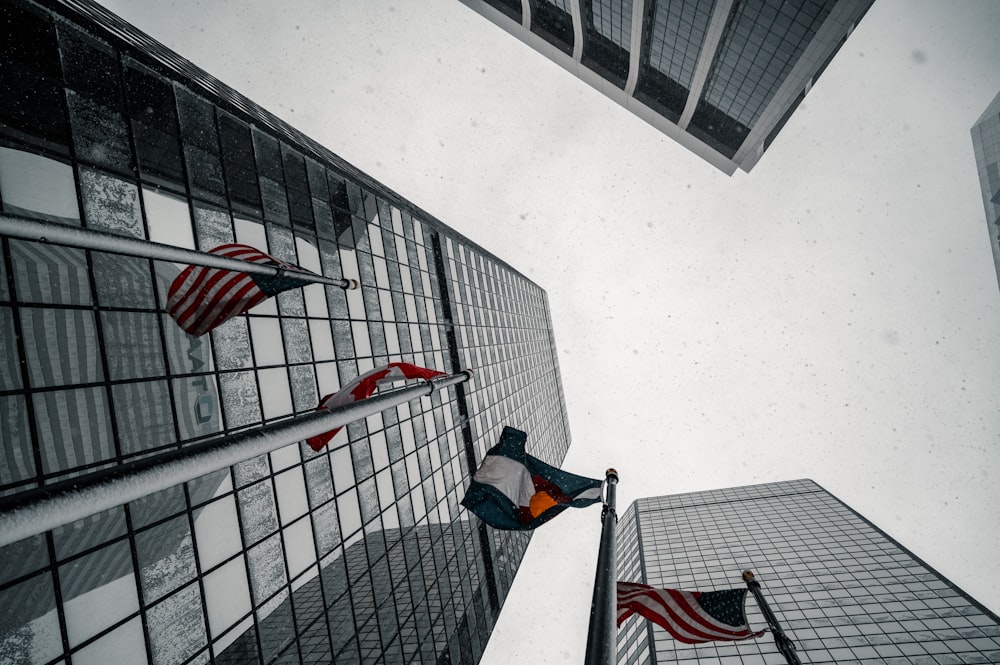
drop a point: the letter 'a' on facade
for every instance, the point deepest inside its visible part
(359, 553)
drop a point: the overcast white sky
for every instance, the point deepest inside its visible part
(833, 315)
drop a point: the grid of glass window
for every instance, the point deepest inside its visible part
(843, 591)
(553, 19)
(762, 41)
(359, 553)
(609, 38)
(986, 144)
(675, 36)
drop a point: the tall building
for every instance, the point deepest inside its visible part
(843, 590)
(986, 144)
(720, 77)
(358, 554)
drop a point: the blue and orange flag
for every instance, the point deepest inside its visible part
(513, 490)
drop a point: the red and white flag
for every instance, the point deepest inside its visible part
(363, 387)
(202, 298)
(691, 617)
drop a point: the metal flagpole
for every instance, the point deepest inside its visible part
(50, 506)
(602, 638)
(73, 236)
(785, 645)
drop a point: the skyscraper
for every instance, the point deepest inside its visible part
(843, 590)
(360, 552)
(986, 144)
(720, 77)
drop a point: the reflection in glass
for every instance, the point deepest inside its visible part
(299, 547)
(38, 187)
(227, 596)
(98, 590)
(123, 645)
(290, 488)
(274, 392)
(30, 625)
(218, 532)
(169, 218)
(239, 399)
(176, 627)
(166, 557)
(266, 334)
(267, 568)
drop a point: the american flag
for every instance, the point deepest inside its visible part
(364, 387)
(691, 617)
(201, 298)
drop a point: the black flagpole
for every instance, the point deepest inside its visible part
(785, 645)
(602, 636)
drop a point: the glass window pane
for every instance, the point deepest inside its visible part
(98, 590)
(227, 596)
(93, 94)
(145, 419)
(267, 343)
(240, 399)
(275, 396)
(290, 488)
(123, 645)
(50, 274)
(132, 343)
(18, 460)
(197, 406)
(267, 568)
(31, 99)
(177, 627)
(169, 218)
(166, 558)
(217, 531)
(61, 346)
(299, 547)
(31, 626)
(74, 427)
(111, 204)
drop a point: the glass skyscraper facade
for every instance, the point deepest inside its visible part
(357, 554)
(843, 590)
(986, 145)
(721, 77)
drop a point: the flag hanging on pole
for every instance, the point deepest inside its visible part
(513, 490)
(691, 617)
(363, 387)
(201, 298)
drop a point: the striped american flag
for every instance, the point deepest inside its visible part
(691, 617)
(202, 298)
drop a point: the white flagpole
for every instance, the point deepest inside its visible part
(74, 236)
(50, 506)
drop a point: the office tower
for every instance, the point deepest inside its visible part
(843, 590)
(720, 77)
(986, 144)
(359, 553)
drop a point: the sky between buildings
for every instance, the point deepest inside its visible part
(834, 314)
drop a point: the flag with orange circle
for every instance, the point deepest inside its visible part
(513, 490)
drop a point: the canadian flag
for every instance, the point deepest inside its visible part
(364, 387)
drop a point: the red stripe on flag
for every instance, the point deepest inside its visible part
(202, 298)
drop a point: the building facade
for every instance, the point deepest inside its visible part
(720, 77)
(357, 554)
(986, 145)
(843, 590)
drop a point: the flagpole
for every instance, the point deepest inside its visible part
(785, 645)
(73, 236)
(39, 510)
(602, 635)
